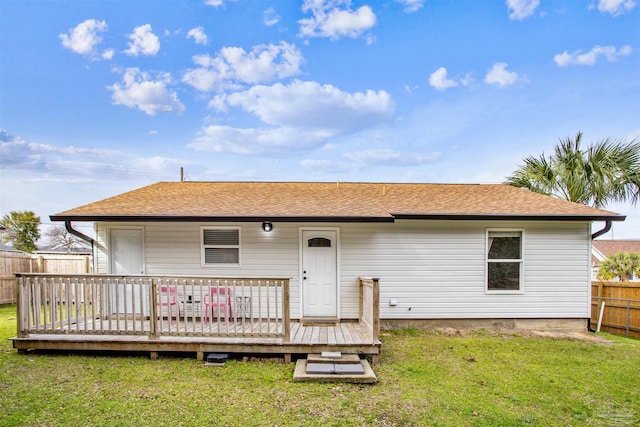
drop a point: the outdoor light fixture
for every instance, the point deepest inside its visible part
(267, 226)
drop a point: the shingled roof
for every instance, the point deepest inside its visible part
(610, 247)
(315, 201)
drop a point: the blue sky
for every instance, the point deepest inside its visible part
(101, 97)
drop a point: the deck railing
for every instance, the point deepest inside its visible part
(155, 306)
(370, 305)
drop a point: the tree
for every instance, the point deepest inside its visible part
(607, 171)
(59, 237)
(21, 230)
(621, 265)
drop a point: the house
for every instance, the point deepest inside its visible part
(601, 249)
(441, 254)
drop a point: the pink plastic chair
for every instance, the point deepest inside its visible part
(219, 298)
(168, 298)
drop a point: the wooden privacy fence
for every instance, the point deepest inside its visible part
(154, 306)
(12, 263)
(621, 313)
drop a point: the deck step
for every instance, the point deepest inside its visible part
(347, 368)
(320, 321)
(338, 358)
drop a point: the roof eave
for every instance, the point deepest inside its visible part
(512, 217)
(390, 218)
(167, 218)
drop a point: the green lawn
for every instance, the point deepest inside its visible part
(425, 378)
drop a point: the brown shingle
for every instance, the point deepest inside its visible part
(174, 200)
(610, 247)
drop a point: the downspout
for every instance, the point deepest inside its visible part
(71, 230)
(607, 227)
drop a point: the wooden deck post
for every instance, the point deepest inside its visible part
(19, 302)
(286, 317)
(375, 332)
(153, 321)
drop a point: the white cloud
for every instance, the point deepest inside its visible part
(576, 57)
(138, 90)
(143, 41)
(438, 79)
(299, 116)
(198, 35)
(411, 6)
(270, 17)
(328, 165)
(388, 157)
(214, 3)
(16, 153)
(85, 37)
(45, 162)
(616, 7)
(310, 105)
(108, 54)
(521, 9)
(233, 65)
(500, 76)
(335, 19)
(257, 141)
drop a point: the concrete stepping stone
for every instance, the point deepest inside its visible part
(344, 358)
(364, 376)
(349, 369)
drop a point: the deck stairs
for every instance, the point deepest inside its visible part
(334, 367)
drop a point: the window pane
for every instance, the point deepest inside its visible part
(221, 237)
(504, 276)
(221, 256)
(504, 247)
(319, 242)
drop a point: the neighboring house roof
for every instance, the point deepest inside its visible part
(6, 248)
(63, 251)
(604, 248)
(337, 201)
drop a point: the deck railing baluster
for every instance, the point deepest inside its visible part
(33, 306)
(125, 305)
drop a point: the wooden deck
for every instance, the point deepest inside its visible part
(136, 313)
(346, 337)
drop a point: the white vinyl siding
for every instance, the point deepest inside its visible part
(434, 269)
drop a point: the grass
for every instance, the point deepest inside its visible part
(425, 378)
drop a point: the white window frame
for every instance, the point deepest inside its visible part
(521, 260)
(203, 247)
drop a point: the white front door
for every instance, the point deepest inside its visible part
(126, 251)
(127, 258)
(319, 273)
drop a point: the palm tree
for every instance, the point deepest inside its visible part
(621, 265)
(608, 171)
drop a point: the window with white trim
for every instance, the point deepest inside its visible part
(220, 246)
(504, 261)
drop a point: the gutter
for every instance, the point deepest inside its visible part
(392, 217)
